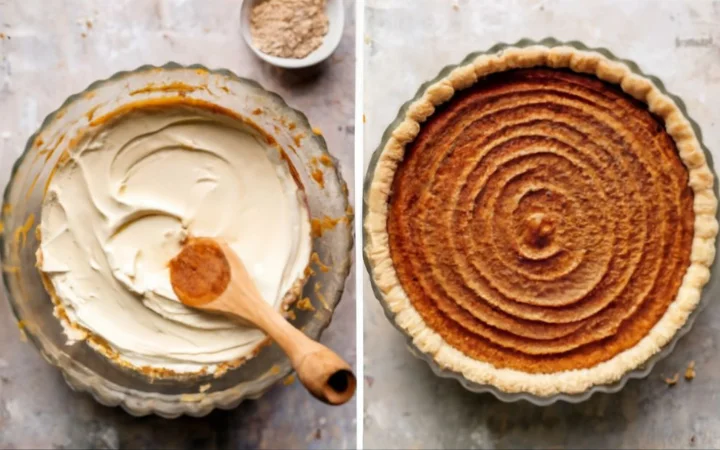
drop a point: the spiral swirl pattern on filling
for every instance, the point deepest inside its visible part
(541, 221)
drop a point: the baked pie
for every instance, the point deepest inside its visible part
(542, 220)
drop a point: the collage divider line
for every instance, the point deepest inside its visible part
(358, 158)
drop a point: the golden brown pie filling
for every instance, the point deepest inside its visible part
(541, 221)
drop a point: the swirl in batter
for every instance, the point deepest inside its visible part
(121, 205)
(542, 221)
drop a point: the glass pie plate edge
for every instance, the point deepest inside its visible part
(86, 370)
(713, 286)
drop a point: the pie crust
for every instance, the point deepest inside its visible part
(510, 380)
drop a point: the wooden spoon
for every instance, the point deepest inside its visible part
(208, 275)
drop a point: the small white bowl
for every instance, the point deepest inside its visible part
(336, 20)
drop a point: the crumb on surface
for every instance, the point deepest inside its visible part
(690, 371)
(672, 381)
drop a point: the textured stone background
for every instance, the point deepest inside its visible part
(406, 406)
(51, 49)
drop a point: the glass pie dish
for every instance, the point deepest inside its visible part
(83, 368)
(376, 193)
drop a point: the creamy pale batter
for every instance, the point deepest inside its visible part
(120, 207)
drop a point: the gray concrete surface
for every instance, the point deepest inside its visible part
(406, 406)
(51, 49)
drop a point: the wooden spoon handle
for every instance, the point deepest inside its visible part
(322, 371)
(327, 376)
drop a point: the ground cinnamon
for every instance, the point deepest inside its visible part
(288, 28)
